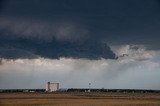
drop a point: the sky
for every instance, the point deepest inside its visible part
(109, 43)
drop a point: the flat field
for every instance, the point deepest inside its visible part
(79, 99)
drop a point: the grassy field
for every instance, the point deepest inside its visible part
(79, 99)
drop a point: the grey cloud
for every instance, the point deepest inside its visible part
(16, 53)
(32, 48)
(116, 22)
(134, 52)
(42, 30)
(1, 62)
(78, 31)
(121, 73)
(31, 39)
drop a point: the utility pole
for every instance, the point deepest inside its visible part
(89, 87)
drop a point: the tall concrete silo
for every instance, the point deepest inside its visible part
(52, 87)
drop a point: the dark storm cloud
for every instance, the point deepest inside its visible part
(116, 21)
(29, 48)
(32, 39)
(88, 21)
(2, 3)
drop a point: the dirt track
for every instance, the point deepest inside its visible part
(79, 99)
(79, 95)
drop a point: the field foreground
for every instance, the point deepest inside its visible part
(79, 99)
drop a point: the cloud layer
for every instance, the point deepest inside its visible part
(27, 48)
(27, 39)
(125, 72)
(48, 40)
(42, 30)
(113, 21)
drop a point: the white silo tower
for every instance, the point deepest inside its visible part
(52, 87)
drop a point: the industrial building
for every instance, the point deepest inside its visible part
(52, 87)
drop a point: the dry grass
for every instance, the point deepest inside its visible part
(78, 99)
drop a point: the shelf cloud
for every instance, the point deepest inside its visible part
(124, 72)
(111, 43)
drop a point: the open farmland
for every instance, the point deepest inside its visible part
(79, 99)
